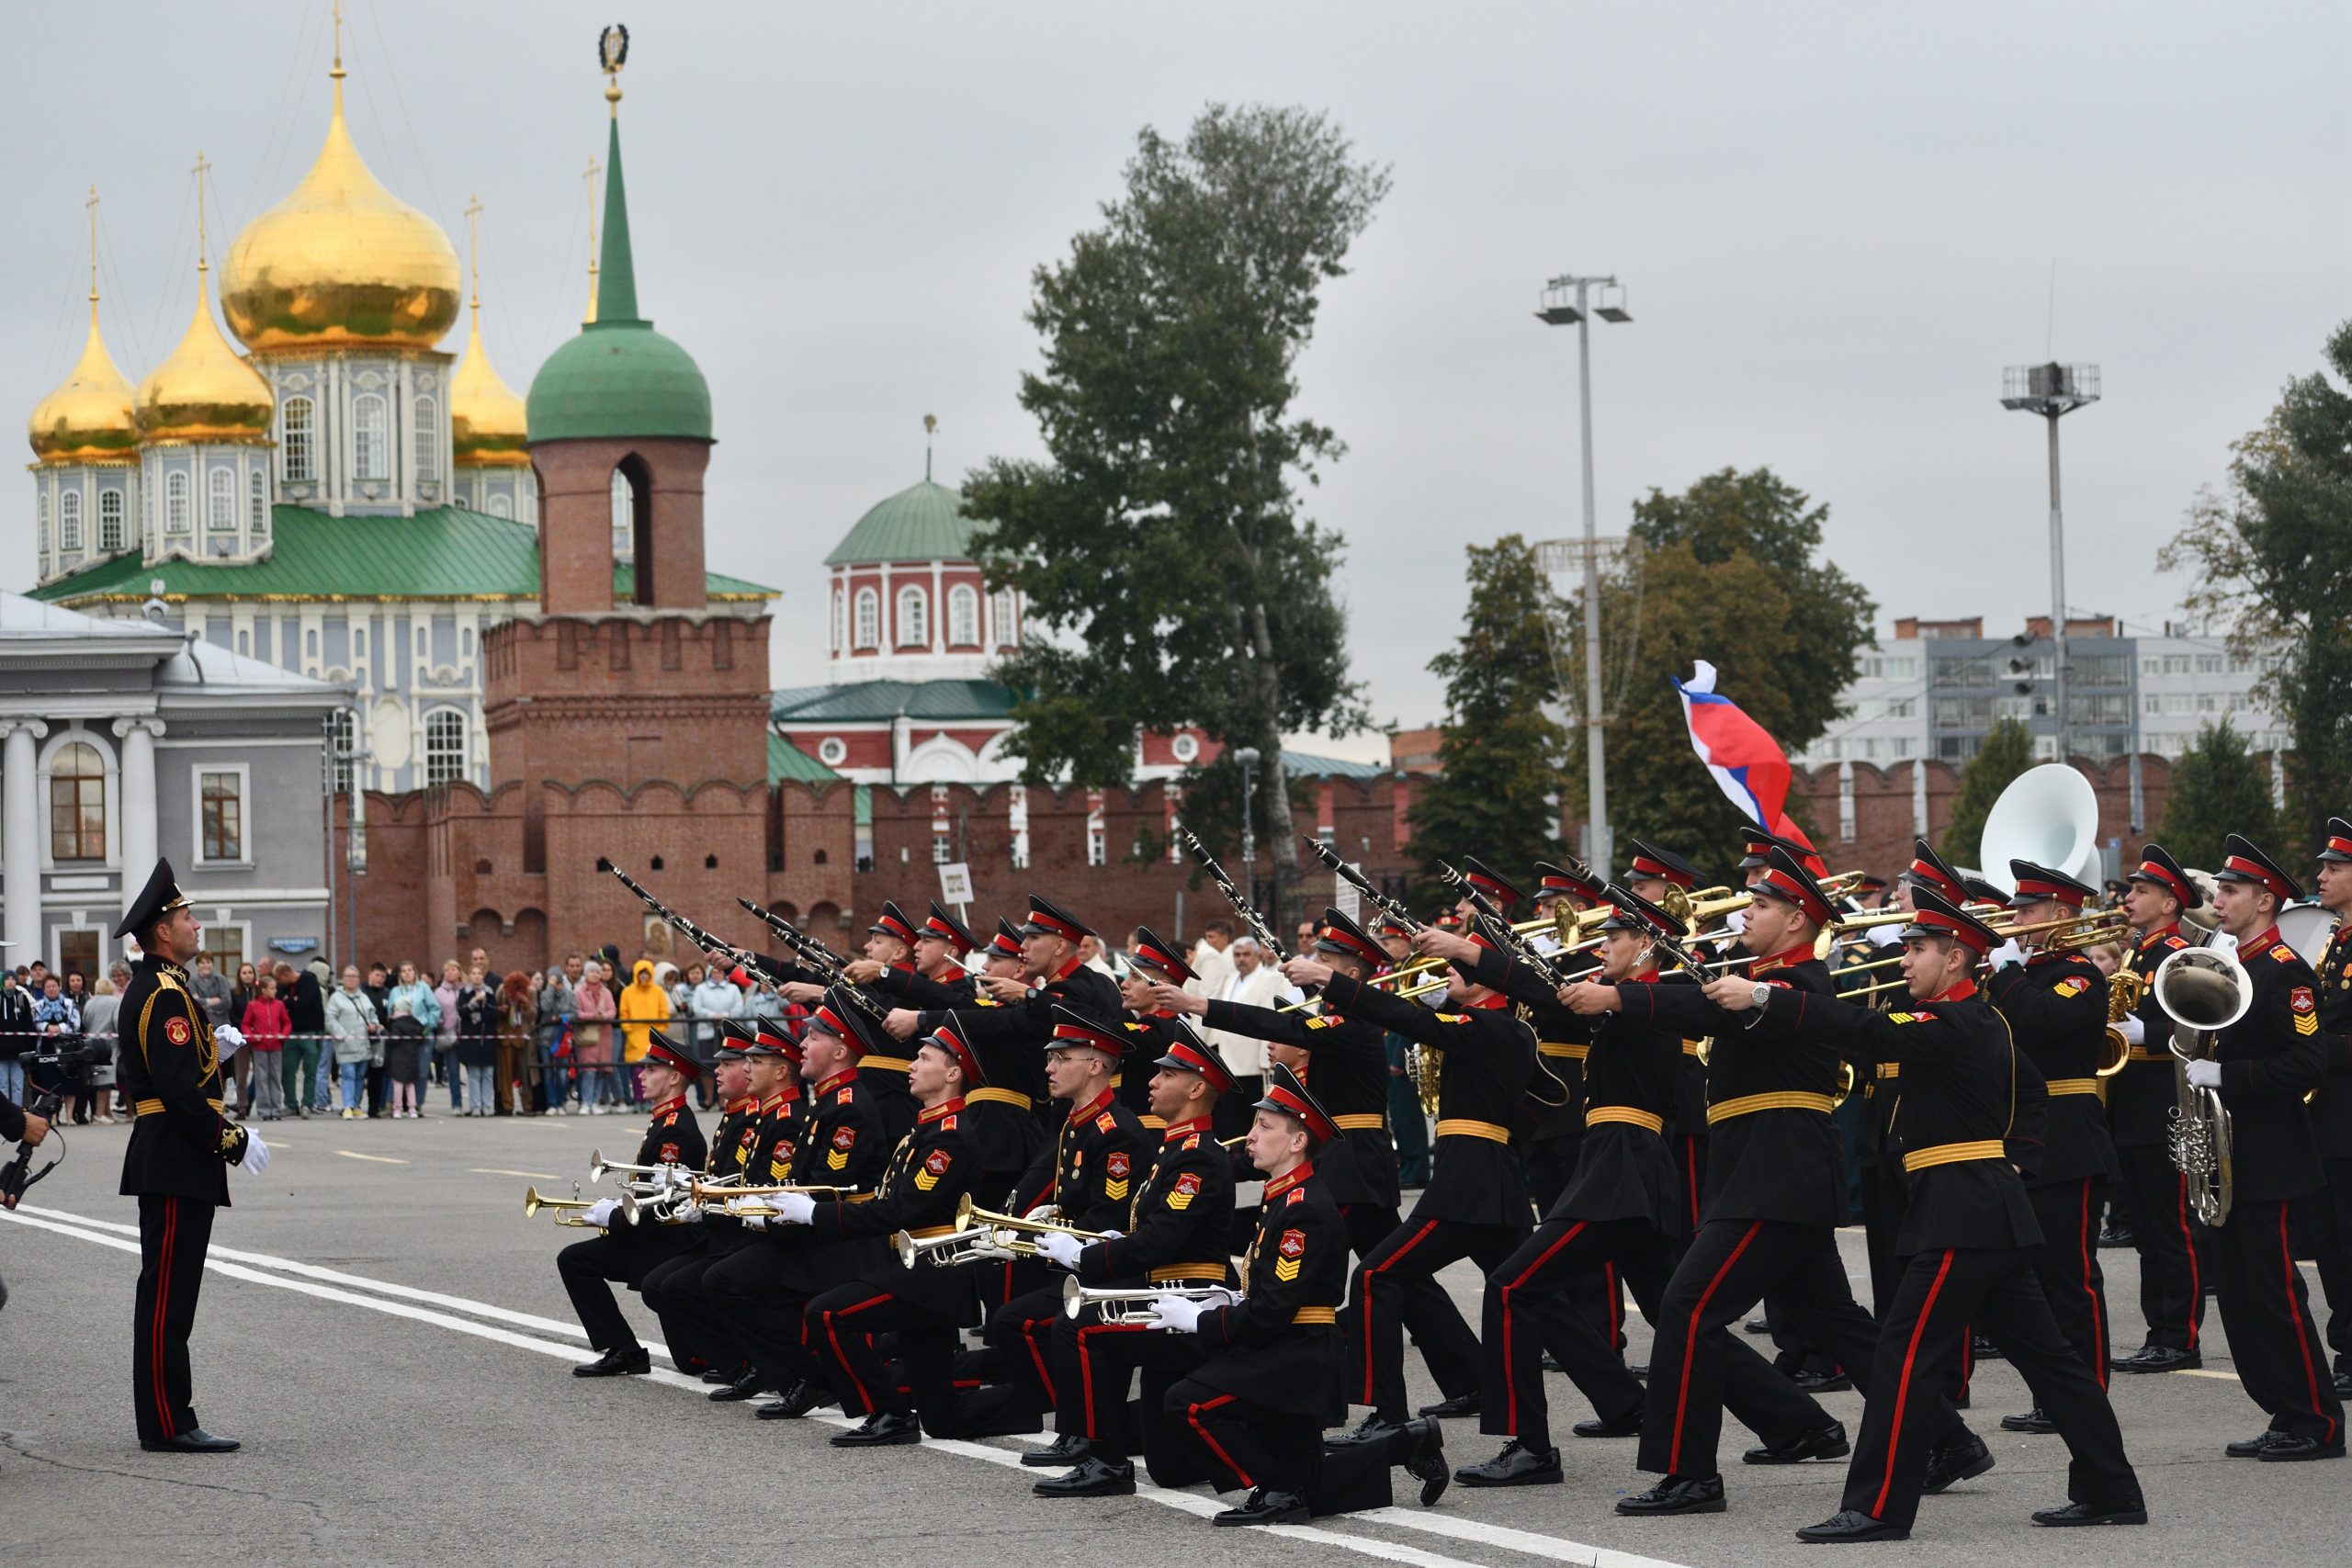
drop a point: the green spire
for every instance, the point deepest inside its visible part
(615, 271)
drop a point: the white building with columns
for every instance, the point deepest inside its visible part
(121, 740)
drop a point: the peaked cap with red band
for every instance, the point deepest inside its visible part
(1191, 1054)
(1154, 954)
(1487, 882)
(1929, 869)
(1552, 882)
(894, 923)
(1785, 878)
(2246, 863)
(1340, 935)
(1045, 919)
(1759, 845)
(1932, 914)
(1006, 943)
(2339, 840)
(660, 1047)
(949, 1038)
(948, 928)
(2157, 865)
(1073, 1031)
(843, 1018)
(2036, 883)
(1651, 861)
(734, 1035)
(1287, 1095)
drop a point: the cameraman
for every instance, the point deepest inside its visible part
(16, 1034)
(57, 1069)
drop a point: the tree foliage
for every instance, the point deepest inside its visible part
(1502, 754)
(2007, 752)
(2219, 787)
(2271, 556)
(1728, 571)
(1169, 566)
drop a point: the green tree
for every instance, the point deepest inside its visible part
(1501, 754)
(1729, 570)
(2271, 555)
(2219, 787)
(1162, 546)
(2007, 752)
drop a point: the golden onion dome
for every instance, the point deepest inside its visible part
(204, 391)
(487, 424)
(89, 415)
(340, 263)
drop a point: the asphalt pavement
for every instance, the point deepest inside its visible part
(384, 1329)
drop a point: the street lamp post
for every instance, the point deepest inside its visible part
(2053, 392)
(1246, 759)
(1565, 304)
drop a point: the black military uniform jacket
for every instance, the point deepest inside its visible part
(1149, 1036)
(2140, 1099)
(1957, 1103)
(1624, 1170)
(1768, 1158)
(1348, 1072)
(933, 1166)
(2331, 1111)
(1561, 1038)
(1279, 1346)
(759, 1150)
(2056, 1005)
(908, 986)
(1090, 1172)
(181, 1145)
(732, 1138)
(1489, 1057)
(1181, 1221)
(2269, 1058)
(673, 1137)
(1010, 1038)
(842, 1143)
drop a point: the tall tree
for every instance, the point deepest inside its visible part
(2219, 787)
(1729, 570)
(2270, 556)
(2007, 752)
(1500, 753)
(1168, 564)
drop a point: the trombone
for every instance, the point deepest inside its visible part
(533, 1202)
(1132, 1306)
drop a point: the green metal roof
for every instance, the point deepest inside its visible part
(786, 761)
(867, 701)
(923, 522)
(445, 552)
(1301, 765)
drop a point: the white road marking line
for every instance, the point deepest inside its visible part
(378, 1159)
(1574, 1552)
(526, 1175)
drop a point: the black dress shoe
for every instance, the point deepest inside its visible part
(2034, 1421)
(1066, 1449)
(1371, 1429)
(748, 1386)
(2157, 1359)
(1629, 1425)
(1093, 1478)
(715, 1376)
(1822, 1442)
(797, 1401)
(2091, 1513)
(2287, 1448)
(1676, 1495)
(1266, 1507)
(2115, 1235)
(1517, 1465)
(1851, 1525)
(2251, 1447)
(1983, 1349)
(619, 1361)
(1957, 1459)
(1812, 1382)
(1756, 1325)
(884, 1428)
(195, 1440)
(1551, 1363)
(1424, 1456)
(1461, 1405)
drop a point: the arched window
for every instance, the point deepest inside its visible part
(371, 457)
(963, 616)
(1008, 632)
(624, 518)
(220, 502)
(77, 802)
(69, 520)
(428, 445)
(502, 505)
(175, 504)
(257, 499)
(869, 618)
(444, 746)
(300, 450)
(110, 520)
(914, 617)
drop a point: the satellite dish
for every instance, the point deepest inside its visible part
(2049, 815)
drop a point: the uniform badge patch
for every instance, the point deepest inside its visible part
(1193, 1141)
(1321, 1021)
(176, 1030)
(1105, 1122)
(669, 1153)
(2072, 986)
(845, 1137)
(1187, 1187)
(2282, 953)
(779, 1169)
(2300, 999)
(843, 1097)
(1292, 1249)
(934, 1166)
(1117, 1163)
(1452, 1017)
(1298, 1195)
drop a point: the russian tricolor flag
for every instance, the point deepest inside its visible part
(1748, 765)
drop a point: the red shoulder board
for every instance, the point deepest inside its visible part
(669, 1153)
(936, 1161)
(176, 1030)
(947, 1123)
(2282, 953)
(1293, 1244)
(669, 1118)
(844, 1096)
(1298, 1195)
(1193, 1141)
(845, 1137)
(2176, 939)
(1105, 1122)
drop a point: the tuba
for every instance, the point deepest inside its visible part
(2203, 990)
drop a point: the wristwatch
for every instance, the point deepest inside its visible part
(1761, 992)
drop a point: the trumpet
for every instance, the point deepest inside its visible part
(1133, 1306)
(980, 1233)
(697, 1190)
(598, 1166)
(533, 1202)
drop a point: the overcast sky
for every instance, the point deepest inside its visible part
(1837, 223)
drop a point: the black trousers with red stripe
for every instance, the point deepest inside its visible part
(173, 1235)
(1231, 1442)
(1730, 1265)
(1425, 1308)
(2333, 1253)
(1020, 1340)
(2171, 1243)
(1885, 1199)
(2267, 1316)
(1106, 1356)
(840, 1325)
(2067, 1265)
(756, 1314)
(1406, 1262)
(1937, 1297)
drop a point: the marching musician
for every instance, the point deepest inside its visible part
(1652, 872)
(932, 1169)
(630, 1252)
(2140, 1102)
(1557, 1135)
(1476, 1204)
(2262, 1067)
(1151, 1024)
(2332, 1106)
(930, 973)
(1251, 1415)
(1180, 1221)
(2055, 1001)
(738, 1125)
(1968, 1233)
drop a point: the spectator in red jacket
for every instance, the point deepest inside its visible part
(266, 1026)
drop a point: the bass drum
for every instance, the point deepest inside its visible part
(2307, 929)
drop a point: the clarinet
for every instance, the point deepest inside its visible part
(1256, 922)
(1357, 880)
(707, 940)
(818, 957)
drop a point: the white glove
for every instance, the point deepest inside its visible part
(1887, 935)
(1041, 1212)
(229, 1039)
(1737, 921)
(755, 1222)
(601, 1212)
(256, 1152)
(688, 1213)
(2134, 1030)
(2009, 952)
(665, 1177)
(2204, 1075)
(1062, 1249)
(1176, 1313)
(1112, 1235)
(793, 1208)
